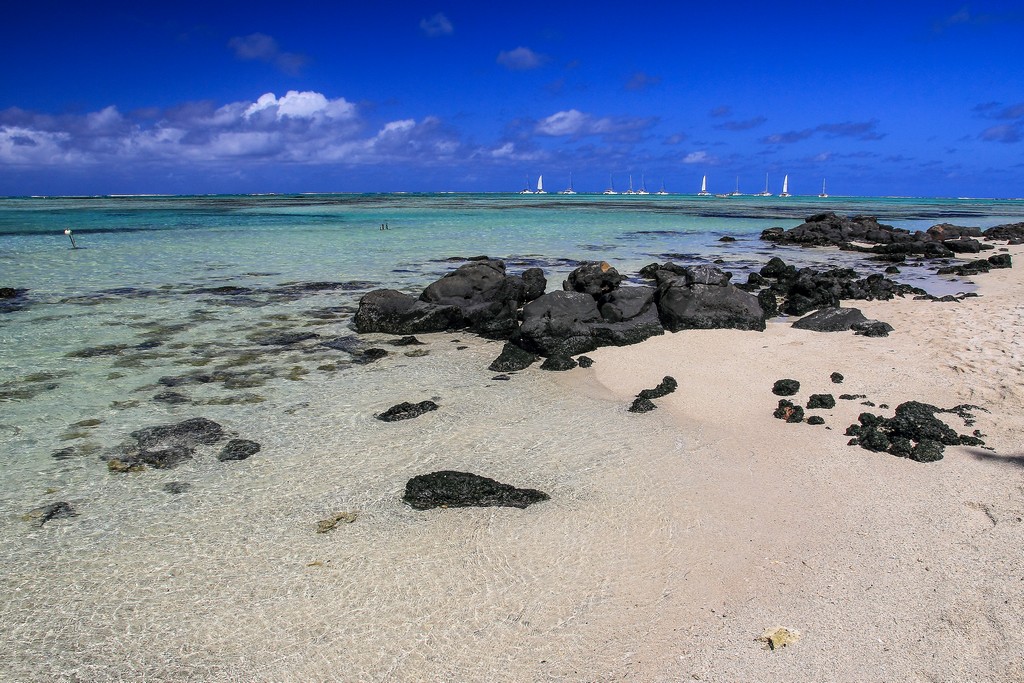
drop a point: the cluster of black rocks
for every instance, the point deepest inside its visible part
(591, 310)
(913, 432)
(889, 243)
(167, 446)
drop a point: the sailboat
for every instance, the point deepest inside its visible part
(526, 190)
(643, 185)
(785, 187)
(662, 190)
(704, 188)
(540, 185)
(823, 194)
(630, 190)
(611, 187)
(569, 189)
(736, 192)
(766, 193)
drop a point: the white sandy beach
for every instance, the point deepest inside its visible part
(672, 539)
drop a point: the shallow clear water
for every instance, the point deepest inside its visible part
(172, 294)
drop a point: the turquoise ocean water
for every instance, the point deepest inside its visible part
(163, 313)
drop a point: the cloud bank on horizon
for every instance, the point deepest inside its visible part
(459, 100)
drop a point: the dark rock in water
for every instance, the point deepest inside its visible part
(238, 449)
(558, 324)
(486, 297)
(585, 361)
(826, 401)
(163, 446)
(558, 363)
(394, 312)
(42, 515)
(512, 359)
(449, 489)
(370, 355)
(789, 411)
(8, 292)
(96, 351)
(665, 387)
(347, 344)
(785, 387)
(872, 328)
(913, 422)
(406, 411)
(831, 320)
(815, 420)
(593, 279)
(642, 405)
(535, 283)
(282, 338)
(836, 378)
(501, 378)
(64, 453)
(830, 229)
(176, 487)
(171, 398)
(726, 238)
(687, 303)
(892, 270)
(406, 341)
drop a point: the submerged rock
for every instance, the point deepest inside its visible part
(463, 489)
(163, 446)
(238, 449)
(406, 411)
(42, 515)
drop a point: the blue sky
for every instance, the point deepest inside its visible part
(894, 98)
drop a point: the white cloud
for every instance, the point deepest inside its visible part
(302, 105)
(700, 157)
(569, 122)
(437, 25)
(263, 48)
(521, 59)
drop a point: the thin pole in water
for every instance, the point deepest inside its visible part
(72, 238)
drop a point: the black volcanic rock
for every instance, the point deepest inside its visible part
(238, 449)
(593, 279)
(406, 411)
(450, 489)
(702, 299)
(831, 320)
(785, 387)
(512, 358)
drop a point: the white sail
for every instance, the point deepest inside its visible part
(703, 187)
(785, 187)
(540, 185)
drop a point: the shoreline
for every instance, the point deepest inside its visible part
(889, 568)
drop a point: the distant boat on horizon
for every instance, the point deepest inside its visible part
(766, 193)
(611, 187)
(785, 187)
(526, 189)
(540, 185)
(704, 188)
(630, 190)
(823, 194)
(569, 189)
(662, 190)
(736, 192)
(643, 185)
